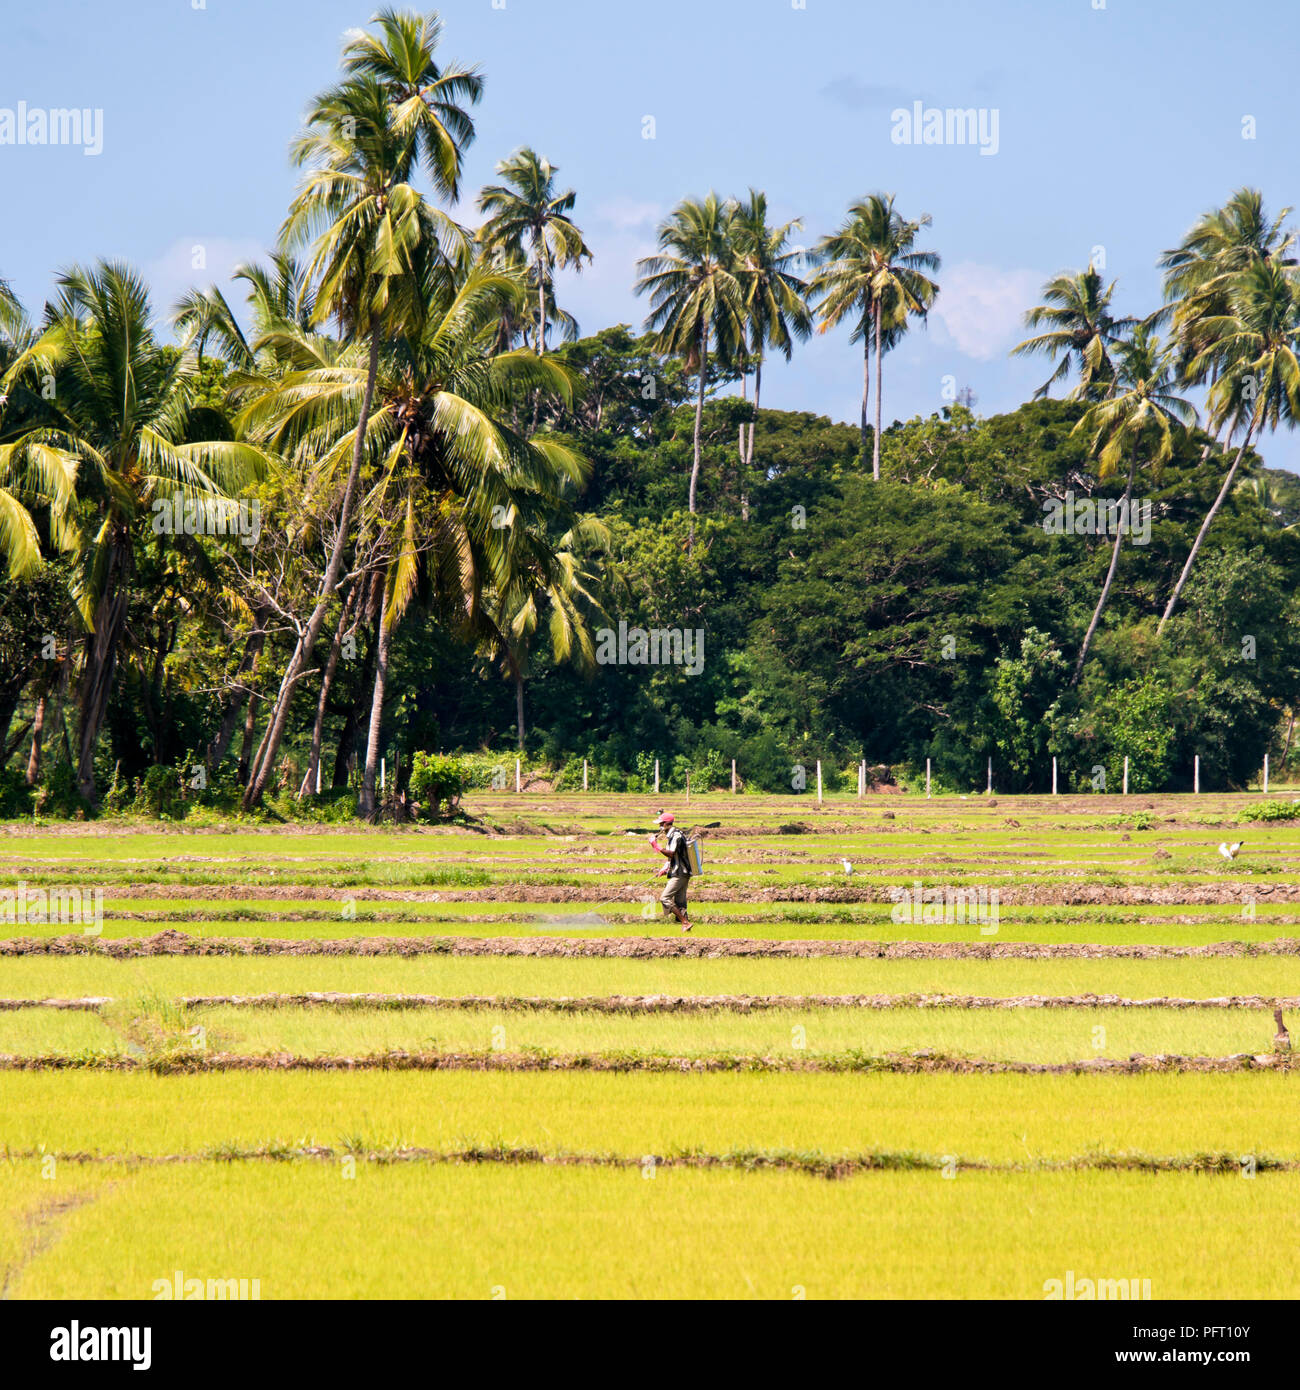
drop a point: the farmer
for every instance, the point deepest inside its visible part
(678, 869)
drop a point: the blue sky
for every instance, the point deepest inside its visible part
(1117, 125)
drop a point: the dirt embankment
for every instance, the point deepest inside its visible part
(921, 1061)
(175, 943)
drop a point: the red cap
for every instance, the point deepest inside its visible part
(665, 818)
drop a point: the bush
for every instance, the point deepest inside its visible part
(438, 779)
(158, 792)
(15, 794)
(1269, 810)
(57, 794)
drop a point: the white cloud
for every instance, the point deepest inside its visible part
(627, 215)
(982, 307)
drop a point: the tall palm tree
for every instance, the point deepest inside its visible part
(371, 234)
(1223, 242)
(1138, 422)
(872, 272)
(776, 298)
(1081, 331)
(527, 208)
(427, 99)
(696, 298)
(451, 474)
(120, 419)
(1201, 271)
(1252, 351)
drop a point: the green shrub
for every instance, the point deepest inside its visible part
(158, 792)
(57, 794)
(1269, 810)
(15, 794)
(438, 780)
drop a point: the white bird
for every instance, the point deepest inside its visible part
(848, 868)
(1231, 851)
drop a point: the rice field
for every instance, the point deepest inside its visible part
(915, 1048)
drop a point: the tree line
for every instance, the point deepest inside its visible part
(451, 483)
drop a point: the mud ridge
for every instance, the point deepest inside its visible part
(176, 943)
(920, 1061)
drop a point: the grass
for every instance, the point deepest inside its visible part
(1036, 1035)
(1046, 1166)
(998, 1118)
(531, 1232)
(44, 977)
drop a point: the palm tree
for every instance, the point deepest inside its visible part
(457, 452)
(872, 272)
(118, 420)
(427, 101)
(528, 208)
(1223, 242)
(1252, 352)
(373, 234)
(278, 295)
(1139, 422)
(451, 474)
(36, 480)
(12, 319)
(1081, 332)
(776, 298)
(696, 297)
(547, 578)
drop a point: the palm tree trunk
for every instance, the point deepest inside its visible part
(1110, 575)
(699, 425)
(748, 454)
(280, 714)
(866, 389)
(38, 731)
(101, 660)
(758, 389)
(875, 443)
(519, 701)
(1201, 534)
(327, 681)
(541, 308)
(367, 806)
